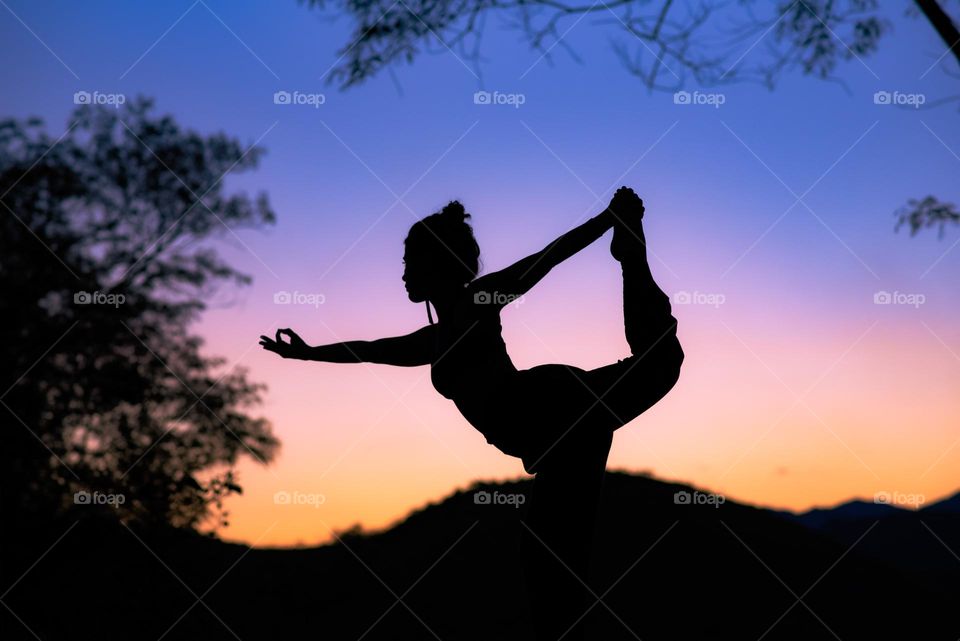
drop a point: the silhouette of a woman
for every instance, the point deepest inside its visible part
(558, 419)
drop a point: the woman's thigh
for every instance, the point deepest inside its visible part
(555, 410)
(626, 389)
(554, 393)
(561, 408)
(570, 398)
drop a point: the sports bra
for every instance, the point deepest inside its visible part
(470, 357)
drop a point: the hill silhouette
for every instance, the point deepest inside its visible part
(822, 518)
(947, 505)
(923, 540)
(666, 567)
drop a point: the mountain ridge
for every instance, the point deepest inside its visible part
(666, 566)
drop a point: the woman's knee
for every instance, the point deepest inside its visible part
(672, 362)
(658, 368)
(648, 382)
(668, 367)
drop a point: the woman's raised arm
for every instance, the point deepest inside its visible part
(404, 351)
(520, 277)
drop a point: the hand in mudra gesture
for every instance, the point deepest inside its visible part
(296, 348)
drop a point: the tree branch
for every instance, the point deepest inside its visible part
(943, 24)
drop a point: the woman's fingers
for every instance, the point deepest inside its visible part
(270, 345)
(294, 337)
(281, 349)
(280, 346)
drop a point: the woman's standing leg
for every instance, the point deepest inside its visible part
(558, 532)
(570, 470)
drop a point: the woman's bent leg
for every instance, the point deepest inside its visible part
(629, 387)
(558, 532)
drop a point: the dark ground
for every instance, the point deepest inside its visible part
(663, 570)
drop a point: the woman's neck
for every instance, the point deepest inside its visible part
(445, 303)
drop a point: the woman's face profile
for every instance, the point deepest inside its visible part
(430, 269)
(415, 276)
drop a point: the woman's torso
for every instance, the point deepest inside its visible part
(471, 365)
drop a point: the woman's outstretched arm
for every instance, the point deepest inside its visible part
(520, 277)
(405, 351)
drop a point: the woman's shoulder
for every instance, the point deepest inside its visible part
(481, 293)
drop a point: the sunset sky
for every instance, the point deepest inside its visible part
(798, 389)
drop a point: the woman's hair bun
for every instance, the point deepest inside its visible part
(455, 210)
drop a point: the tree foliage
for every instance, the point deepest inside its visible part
(664, 43)
(925, 213)
(105, 260)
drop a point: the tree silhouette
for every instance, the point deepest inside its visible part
(702, 40)
(105, 260)
(664, 43)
